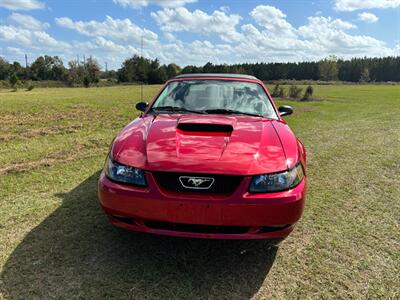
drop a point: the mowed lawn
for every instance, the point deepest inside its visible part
(55, 241)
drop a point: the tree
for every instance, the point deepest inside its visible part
(173, 70)
(86, 81)
(365, 75)
(48, 68)
(92, 70)
(16, 68)
(4, 69)
(278, 91)
(86, 73)
(134, 69)
(75, 73)
(328, 68)
(157, 76)
(13, 80)
(208, 68)
(191, 69)
(294, 91)
(308, 93)
(140, 69)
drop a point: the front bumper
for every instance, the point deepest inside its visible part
(240, 215)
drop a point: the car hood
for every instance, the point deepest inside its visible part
(239, 145)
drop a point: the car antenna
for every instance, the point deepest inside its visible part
(141, 56)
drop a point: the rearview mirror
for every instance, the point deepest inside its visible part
(142, 106)
(285, 110)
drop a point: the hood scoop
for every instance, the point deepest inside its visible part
(204, 127)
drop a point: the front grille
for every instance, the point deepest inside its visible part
(223, 184)
(198, 228)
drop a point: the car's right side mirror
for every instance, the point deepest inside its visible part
(142, 106)
(285, 110)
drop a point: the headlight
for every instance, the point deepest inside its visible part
(125, 174)
(278, 181)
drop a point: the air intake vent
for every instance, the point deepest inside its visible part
(194, 127)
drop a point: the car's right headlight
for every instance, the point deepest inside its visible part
(277, 182)
(125, 174)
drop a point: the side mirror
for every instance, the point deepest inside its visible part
(142, 106)
(285, 110)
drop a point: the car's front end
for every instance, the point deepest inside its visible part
(206, 174)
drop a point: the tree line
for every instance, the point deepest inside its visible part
(139, 69)
(328, 69)
(46, 67)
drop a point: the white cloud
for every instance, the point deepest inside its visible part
(103, 46)
(27, 22)
(368, 17)
(331, 37)
(273, 19)
(13, 52)
(36, 43)
(170, 37)
(225, 9)
(31, 38)
(116, 29)
(196, 53)
(320, 37)
(181, 19)
(22, 4)
(135, 4)
(351, 5)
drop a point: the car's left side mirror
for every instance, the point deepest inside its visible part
(142, 106)
(285, 110)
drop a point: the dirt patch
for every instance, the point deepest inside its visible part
(46, 162)
(306, 109)
(20, 118)
(36, 132)
(80, 151)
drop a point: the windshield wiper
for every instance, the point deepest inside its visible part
(230, 111)
(175, 109)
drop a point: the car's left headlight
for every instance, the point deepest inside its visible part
(125, 174)
(278, 181)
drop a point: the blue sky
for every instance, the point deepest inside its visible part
(195, 32)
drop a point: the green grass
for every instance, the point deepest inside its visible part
(56, 243)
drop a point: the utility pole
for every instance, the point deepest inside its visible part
(77, 59)
(106, 67)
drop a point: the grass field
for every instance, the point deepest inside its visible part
(56, 243)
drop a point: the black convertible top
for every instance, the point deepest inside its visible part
(190, 75)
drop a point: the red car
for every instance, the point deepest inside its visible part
(210, 157)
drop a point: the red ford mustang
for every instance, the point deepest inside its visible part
(210, 157)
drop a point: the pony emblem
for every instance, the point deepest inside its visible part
(189, 182)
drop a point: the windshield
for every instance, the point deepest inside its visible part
(215, 96)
